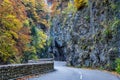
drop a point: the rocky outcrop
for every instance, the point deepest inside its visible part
(90, 37)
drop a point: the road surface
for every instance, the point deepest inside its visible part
(66, 73)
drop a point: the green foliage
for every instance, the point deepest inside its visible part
(37, 44)
(39, 38)
(49, 41)
(26, 23)
(69, 9)
(87, 18)
(115, 23)
(108, 32)
(118, 65)
(111, 29)
(29, 54)
(113, 6)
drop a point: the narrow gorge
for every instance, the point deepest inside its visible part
(84, 33)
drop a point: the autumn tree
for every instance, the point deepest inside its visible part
(11, 22)
(19, 19)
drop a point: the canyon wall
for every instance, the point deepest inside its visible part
(89, 37)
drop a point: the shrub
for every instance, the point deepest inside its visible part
(29, 54)
(70, 9)
(80, 3)
(118, 65)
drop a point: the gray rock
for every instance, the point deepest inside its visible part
(83, 39)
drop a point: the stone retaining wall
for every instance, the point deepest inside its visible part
(19, 70)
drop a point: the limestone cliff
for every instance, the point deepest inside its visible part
(89, 37)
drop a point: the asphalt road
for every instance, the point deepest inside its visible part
(66, 73)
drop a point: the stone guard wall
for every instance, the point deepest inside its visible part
(19, 70)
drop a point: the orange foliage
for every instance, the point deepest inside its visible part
(12, 17)
(54, 8)
(16, 19)
(24, 38)
(19, 9)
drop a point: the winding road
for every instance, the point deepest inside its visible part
(66, 73)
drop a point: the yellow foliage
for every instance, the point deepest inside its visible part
(7, 2)
(80, 3)
(7, 48)
(31, 49)
(39, 40)
(42, 39)
(70, 8)
(45, 22)
(11, 23)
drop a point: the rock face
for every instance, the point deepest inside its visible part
(90, 37)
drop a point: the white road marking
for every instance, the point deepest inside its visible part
(80, 75)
